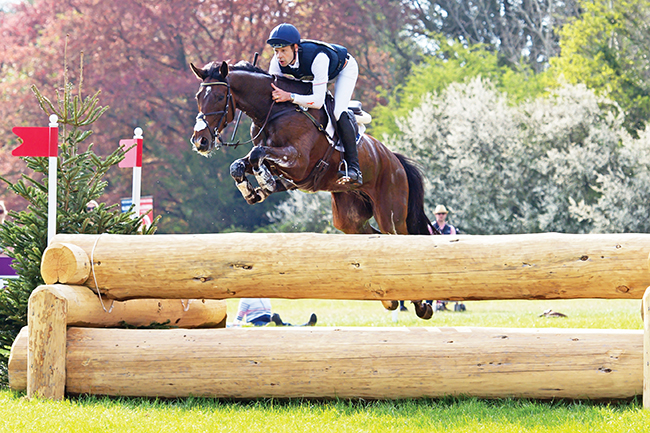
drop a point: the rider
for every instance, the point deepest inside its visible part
(319, 63)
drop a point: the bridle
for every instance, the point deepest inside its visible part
(216, 134)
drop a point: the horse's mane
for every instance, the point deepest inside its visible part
(213, 69)
(291, 85)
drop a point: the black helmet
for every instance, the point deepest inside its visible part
(283, 35)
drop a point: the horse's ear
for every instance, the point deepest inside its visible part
(224, 69)
(200, 73)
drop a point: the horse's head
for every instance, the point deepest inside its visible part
(216, 107)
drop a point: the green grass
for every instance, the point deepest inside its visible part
(101, 414)
(582, 313)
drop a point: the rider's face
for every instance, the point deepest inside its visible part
(285, 55)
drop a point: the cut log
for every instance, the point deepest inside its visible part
(46, 322)
(65, 263)
(85, 309)
(646, 348)
(17, 366)
(366, 267)
(369, 363)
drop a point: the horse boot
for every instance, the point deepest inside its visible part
(351, 174)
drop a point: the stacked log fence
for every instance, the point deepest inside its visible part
(94, 283)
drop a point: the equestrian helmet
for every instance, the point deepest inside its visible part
(283, 35)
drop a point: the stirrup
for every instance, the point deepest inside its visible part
(344, 177)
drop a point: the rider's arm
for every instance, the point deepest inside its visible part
(320, 69)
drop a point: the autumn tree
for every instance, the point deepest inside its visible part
(137, 53)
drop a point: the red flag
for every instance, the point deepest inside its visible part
(133, 157)
(37, 141)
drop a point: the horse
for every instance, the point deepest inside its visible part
(292, 151)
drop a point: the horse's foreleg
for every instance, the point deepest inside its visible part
(265, 179)
(286, 157)
(238, 173)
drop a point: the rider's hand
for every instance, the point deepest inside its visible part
(280, 95)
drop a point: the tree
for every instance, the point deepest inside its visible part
(519, 31)
(557, 163)
(453, 63)
(137, 53)
(303, 213)
(23, 236)
(605, 49)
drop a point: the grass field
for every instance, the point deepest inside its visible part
(95, 414)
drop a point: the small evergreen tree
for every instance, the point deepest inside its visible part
(23, 236)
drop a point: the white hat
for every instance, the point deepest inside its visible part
(440, 209)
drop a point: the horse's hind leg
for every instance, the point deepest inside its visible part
(351, 214)
(423, 310)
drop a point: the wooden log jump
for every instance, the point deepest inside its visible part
(52, 308)
(369, 363)
(334, 362)
(367, 267)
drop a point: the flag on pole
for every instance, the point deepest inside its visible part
(133, 156)
(37, 141)
(43, 141)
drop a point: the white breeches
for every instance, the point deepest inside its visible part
(344, 86)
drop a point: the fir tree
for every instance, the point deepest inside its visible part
(23, 236)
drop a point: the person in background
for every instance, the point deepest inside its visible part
(445, 229)
(3, 211)
(441, 223)
(257, 312)
(91, 205)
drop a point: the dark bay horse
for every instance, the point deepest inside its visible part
(290, 152)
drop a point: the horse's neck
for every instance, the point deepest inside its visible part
(252, 93)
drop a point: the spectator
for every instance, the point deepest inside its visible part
(445, 229)
(441, 223)
(91, 205)
(257, 311)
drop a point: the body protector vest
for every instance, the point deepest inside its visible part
(307, 52)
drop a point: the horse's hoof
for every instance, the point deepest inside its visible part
(238, 170)
(390, 305)
(423, 311)
(252, 199)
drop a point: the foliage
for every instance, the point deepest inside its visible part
(303, 212)
(453, 63)
(557, 163)
(605, 49)
(523, 33)
(24, 235)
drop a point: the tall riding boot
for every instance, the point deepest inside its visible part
(346, 132)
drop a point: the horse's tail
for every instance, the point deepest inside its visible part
(417, 221)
